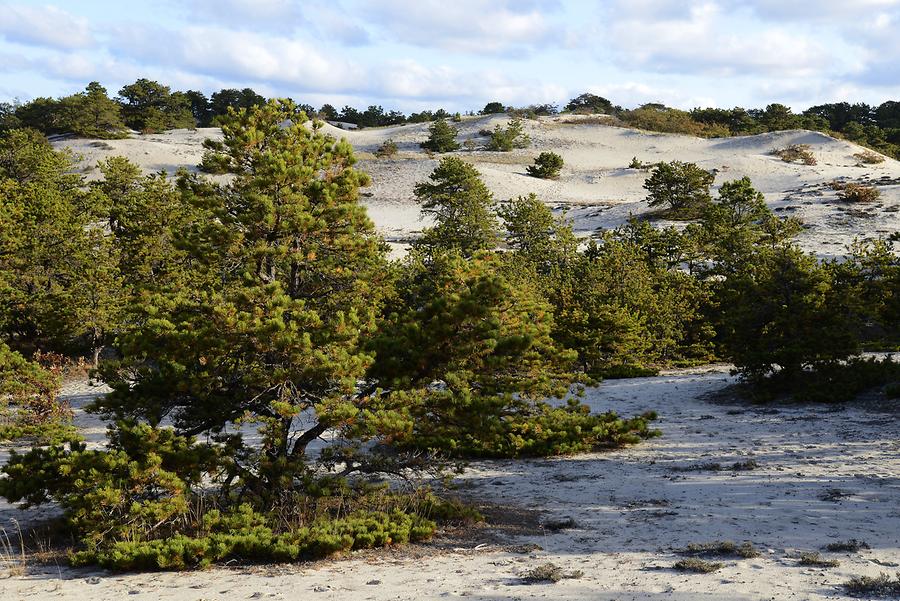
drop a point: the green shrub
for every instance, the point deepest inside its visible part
(505, 139)
(387, 149)
(30, 408)
(247, 535)
(668, 120)
(683, 188)
(441, 137)
(547, 165)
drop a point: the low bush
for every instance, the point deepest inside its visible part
(505, 139)
(854, 192)
(745, 550)
(549, 572)
(796, 153)
(833, 383)
(547, 165)
(387, 149)
(872, 587)
(850, 546)
(247, 535)
(30, 408)
(815, 560)
(441, 137)
(698, 566)
(868, 157)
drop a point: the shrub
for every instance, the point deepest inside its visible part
(505, 139)
(492, 108)
(853, 192)
(457, 118)
(879, 586)
(441, 137)
(29, 404)
(549, 572)
(547, 165)
(387, 149)
(673, 121)
(745, 550)
(850, 546)
(699, 566)
(795, 153)
(681, 187)
(867, 157)
(815, 560)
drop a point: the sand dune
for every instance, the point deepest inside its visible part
(821, 475)
(596, 186)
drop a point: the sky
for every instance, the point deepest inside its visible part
(459, 54)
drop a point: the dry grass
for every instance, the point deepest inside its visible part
(549, 572)
(868, 157)
(727, 548)
(13, 561)
(815, 560)
(697, 566)
(870, 588)
(796, 153)
(859, 193)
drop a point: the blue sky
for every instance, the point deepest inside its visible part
(459, 54)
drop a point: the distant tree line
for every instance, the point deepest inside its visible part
(148, 106)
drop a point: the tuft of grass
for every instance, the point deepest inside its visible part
(549, 572)
(869, 587)
(720, 548)
(12, 552)
(867, 157)
(815, 559)
(698, 566)
(850, 546)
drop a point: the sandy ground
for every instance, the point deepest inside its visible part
(824, 474)
(596, 187)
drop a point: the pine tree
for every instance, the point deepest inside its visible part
(287, 278)
(547, 165)
(441, 137)
(682, 187)
(460, 205)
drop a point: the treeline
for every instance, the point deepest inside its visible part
(267, 306)
(148, 106)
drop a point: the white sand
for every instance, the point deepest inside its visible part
(632, 512)
(596, 186)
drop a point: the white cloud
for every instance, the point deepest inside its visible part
(503, 27)
(46, 26)
(698, 38)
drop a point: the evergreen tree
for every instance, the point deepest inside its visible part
(505, 139)
(682, 187)
(460, 205)
(441, 137)
(288, 278)
(149, 106)
(57, 269)
(547, 165)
